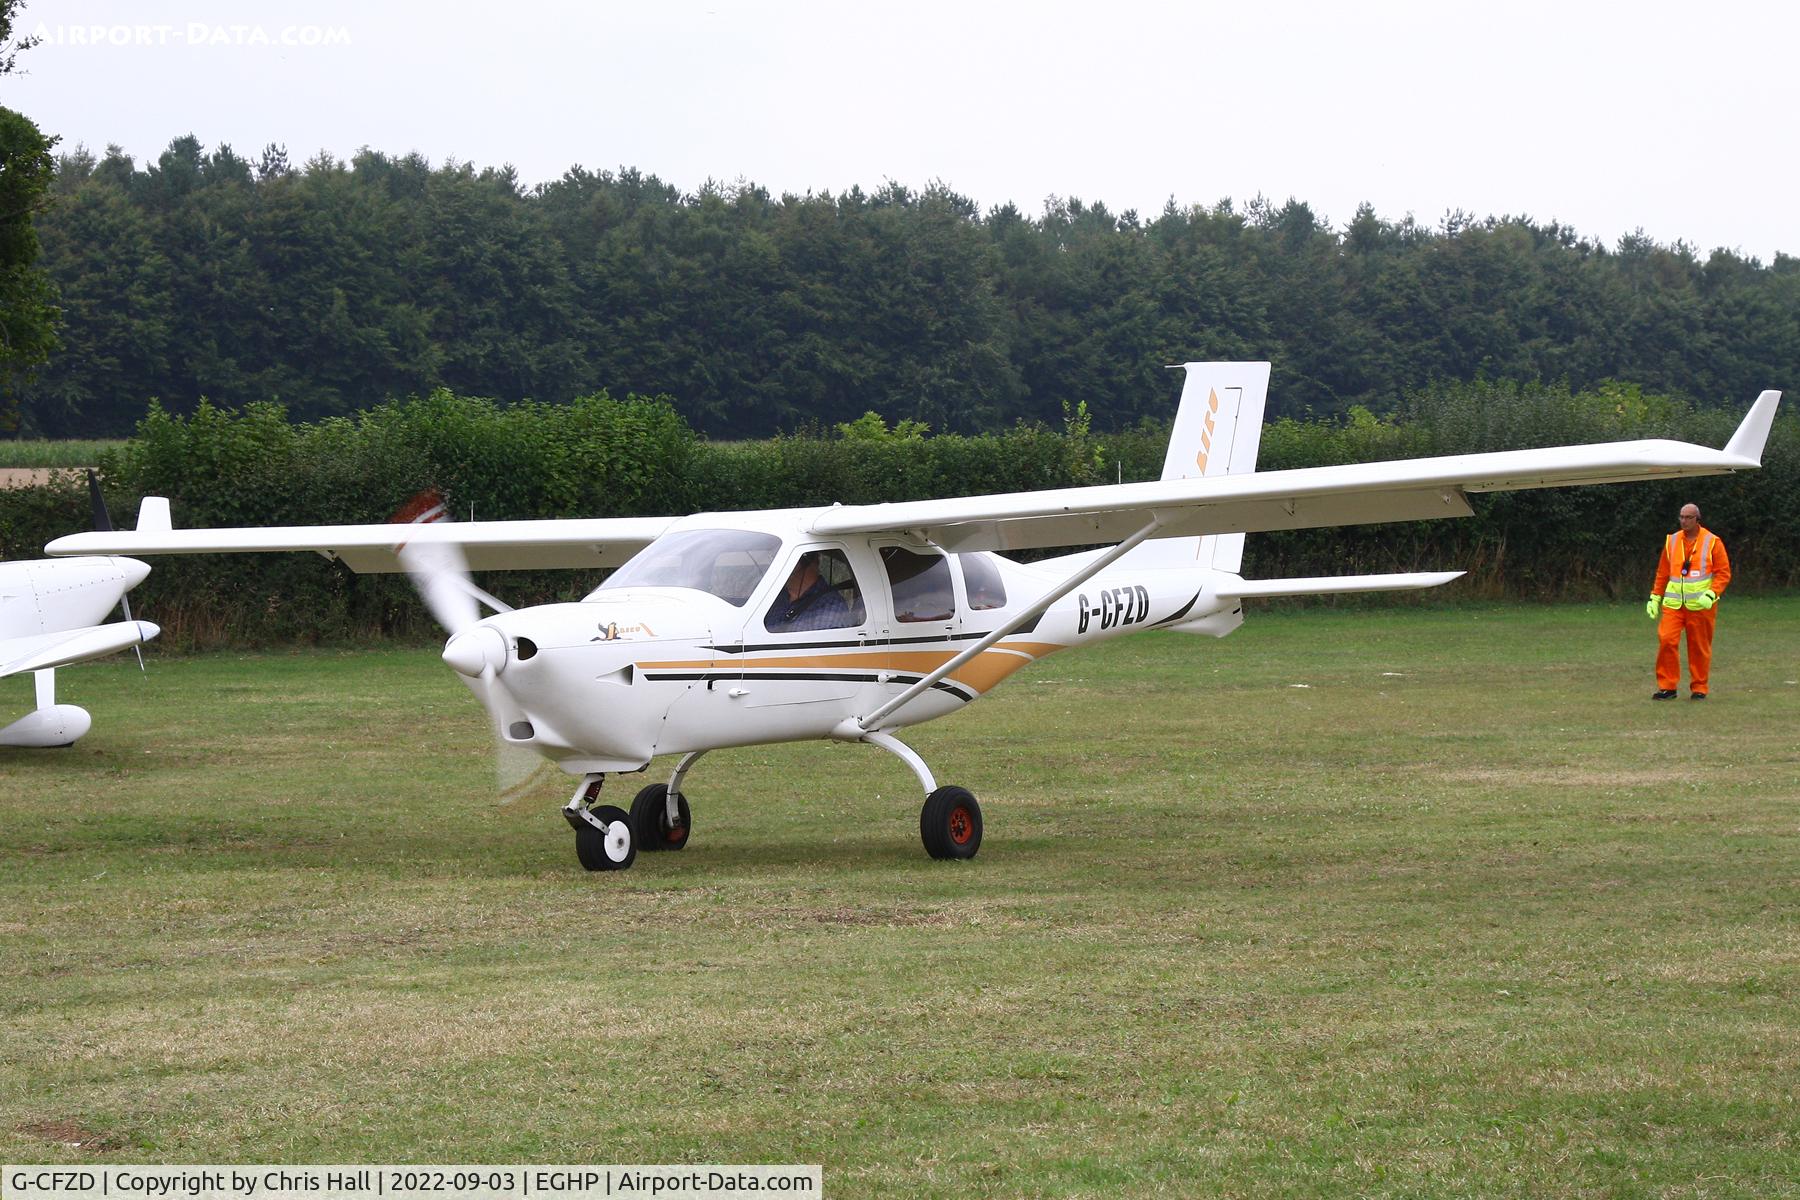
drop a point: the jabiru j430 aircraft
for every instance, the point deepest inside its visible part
(726, 629)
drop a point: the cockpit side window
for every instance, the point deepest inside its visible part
(921, 584)
(727, 563)
(981, 580)
(820, 593)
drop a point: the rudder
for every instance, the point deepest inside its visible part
(1218, 430)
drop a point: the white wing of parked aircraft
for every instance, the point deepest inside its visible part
(850, 622)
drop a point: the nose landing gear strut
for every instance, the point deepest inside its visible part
(603, 837)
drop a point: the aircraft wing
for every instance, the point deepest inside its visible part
(45, 650)
(488, 545)
(1356, 494)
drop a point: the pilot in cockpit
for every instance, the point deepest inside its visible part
(807, 601)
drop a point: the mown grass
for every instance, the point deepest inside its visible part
(41, 453)
(1465, 914)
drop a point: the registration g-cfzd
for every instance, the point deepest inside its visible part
(52, 1181)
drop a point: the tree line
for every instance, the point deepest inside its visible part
(28, 314)
(331, 286)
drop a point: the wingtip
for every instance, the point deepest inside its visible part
(1753, 434)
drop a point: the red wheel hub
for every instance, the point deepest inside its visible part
(962, 827)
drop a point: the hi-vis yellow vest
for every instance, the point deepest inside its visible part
(1685, 586)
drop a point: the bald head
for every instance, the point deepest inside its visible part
(1690, 516)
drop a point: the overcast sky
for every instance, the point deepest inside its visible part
(1678, 119)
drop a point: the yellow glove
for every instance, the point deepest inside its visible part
(1652, 607)
(1707, 599)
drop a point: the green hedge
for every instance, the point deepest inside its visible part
(601, 456)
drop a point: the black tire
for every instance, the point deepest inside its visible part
(950, 823)
(592, 847)
(650, 819)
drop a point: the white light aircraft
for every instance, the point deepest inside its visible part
(50, 614)
(726, 629)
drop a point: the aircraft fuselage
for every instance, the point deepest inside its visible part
(638, 670)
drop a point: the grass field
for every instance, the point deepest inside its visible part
(38, 453)
(1415, 903)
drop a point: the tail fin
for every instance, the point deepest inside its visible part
(1217, 431)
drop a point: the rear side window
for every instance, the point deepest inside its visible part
(921, 585)
(981, 579)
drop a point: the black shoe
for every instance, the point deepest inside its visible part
(1696, 695)
(1665, 694)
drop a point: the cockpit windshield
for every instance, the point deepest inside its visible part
(727, 563)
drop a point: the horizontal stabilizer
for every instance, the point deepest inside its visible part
(71, 646)
(1323, 585)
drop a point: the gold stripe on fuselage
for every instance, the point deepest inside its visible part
(982, 673)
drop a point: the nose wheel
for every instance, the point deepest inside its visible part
(603, 837)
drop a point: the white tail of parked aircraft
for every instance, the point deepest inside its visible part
(852, 622)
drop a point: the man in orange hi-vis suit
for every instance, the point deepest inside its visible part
(1690, 578)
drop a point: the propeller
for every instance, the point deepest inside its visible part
(440, 572)
(103, 523)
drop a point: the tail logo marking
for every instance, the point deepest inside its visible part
(1212, 409)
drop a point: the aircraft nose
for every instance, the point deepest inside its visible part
(135, 572)
(474, 650)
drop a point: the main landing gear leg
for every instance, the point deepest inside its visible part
(950, 822)
(659, 815)
(603, 838)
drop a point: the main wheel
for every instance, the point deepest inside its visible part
(612, 850)
(950, 823)
(650, 819)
